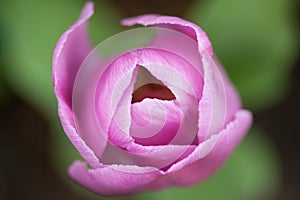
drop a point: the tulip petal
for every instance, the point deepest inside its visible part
(185, 46)
(167, 67)
(180, 77)
(154, 121)
(233, 101)
(201, 163)
(217, 117)
(70, 51)
(160, 156)
(113, 180)
(184, 81)
(175, 23)
(173, 70)
(219, 100)
(113, 96)
(211, 154)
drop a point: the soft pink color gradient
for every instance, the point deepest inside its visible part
(152, 144)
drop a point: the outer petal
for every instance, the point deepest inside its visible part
(159, 157)
(186, 27)
(95, 102)
(214, 114)
(211, 154)
(233, 101)
(200, 164)
(71, 49)
(113, 180)
(219, 100)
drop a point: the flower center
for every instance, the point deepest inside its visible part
(152, 90)
(148, 86)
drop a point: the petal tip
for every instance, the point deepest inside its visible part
(88, 10)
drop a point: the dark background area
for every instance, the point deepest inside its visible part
(27, 171)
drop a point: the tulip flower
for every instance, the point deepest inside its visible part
(161, 115)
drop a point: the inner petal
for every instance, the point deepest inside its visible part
(154, 121)
(186, 85)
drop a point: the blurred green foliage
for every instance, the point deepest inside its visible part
(2, 89)
(255, 41)
(31, 30)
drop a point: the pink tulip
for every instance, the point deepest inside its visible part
(148, 118)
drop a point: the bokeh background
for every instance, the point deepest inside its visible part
(258, 43)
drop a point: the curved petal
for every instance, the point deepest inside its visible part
(165, 40)
(219, 100)
(113, 99)
(70, 51)
(154, 121)
(114, 95)
(113, 180)
(184, 81)
(202, 162)
(173, 70)
(211, 154)
(212, 106)
(159, 157)
(233, 101)
(178, 77)
(176, 73)
(175, 23)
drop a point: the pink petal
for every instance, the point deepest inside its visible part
(159, 157)
(233, 101)
(211, 154)
(173, 70)
(183, 80)
(212, 108)
(83, 104)
(175, 23)
(114, 102)
(164, 66)
(71, 49)
(201, 163)
(113, 99)
(218, 117)
(184, 46)
(113, 180)
(154, 122)
(219, 100)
